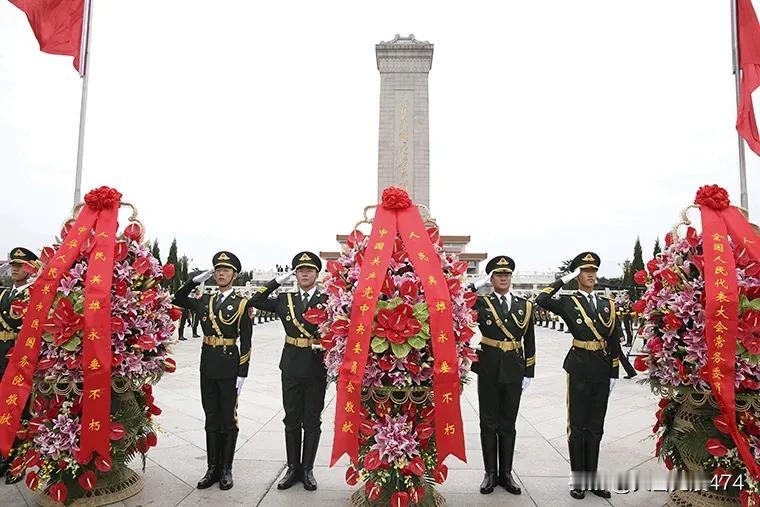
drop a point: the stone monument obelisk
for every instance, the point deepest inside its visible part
(404, 142)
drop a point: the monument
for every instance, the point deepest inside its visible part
(403, 153)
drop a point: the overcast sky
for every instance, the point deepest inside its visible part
(555, 126)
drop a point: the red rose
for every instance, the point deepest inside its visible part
(102, 198)
(716, 447)
(168, 271)
(639, 306)
(640, 363)
(87, 480)
(58, 492)
(395, 198)
(672, 322)
(713, 197)
(640, 277)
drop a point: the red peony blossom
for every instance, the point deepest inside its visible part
(64, 323)
(102, 198)
(672, 322)
(640, 277)
(713, 197)
(398, 324)
(395, 198)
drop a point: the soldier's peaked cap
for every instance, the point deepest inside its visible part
(227, 260)
(586, 260)
(500, 264)
(21, 255)
(306, 260)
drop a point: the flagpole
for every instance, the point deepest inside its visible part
(737, 84)
(84, 73)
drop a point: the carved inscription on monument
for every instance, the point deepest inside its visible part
(404, 139)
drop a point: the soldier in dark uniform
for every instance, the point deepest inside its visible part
(506, 363)
(304, 378)
(625, 309)
(24, 264)
(224, 367)
(592, 366)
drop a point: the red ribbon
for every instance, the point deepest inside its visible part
(448, 418)
(722, 311)
(16, 385)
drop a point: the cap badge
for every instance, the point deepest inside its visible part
(503, 262)
(588, 257)
(223, 257)
(304, 257)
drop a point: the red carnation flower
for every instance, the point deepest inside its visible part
(395, 198)
(713, 197)
(102, 198)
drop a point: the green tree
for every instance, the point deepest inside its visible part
(657, 248)
(627, 274)
(155, 250)
(637, 263)
(174, 283)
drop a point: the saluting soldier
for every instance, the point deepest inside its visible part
(24, 264)
(591, 363)
(304, 378)
(224, 318)
(506, 363)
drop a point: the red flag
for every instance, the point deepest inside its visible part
(57, 25)
(749, 63)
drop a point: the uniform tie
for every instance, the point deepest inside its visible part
(504, 303)
(305, 299)
(13, 293)
(591, 302)
(218, 302)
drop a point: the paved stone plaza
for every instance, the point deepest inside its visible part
(541, 462)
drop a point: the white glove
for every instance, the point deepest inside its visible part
(203, 276)
(482, 282)
(284, 278)
(239, 384)
(525, 383)
(571, 276)
(612, 384)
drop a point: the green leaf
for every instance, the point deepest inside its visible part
(400, 350)
(72, 344)
(379, 345)
(417, 342)
(47, 337)
(420, 311)
(425, 331)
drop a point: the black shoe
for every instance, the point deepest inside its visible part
(292, 476)
(225, 481)
(489, 482)
(196, 336)
(213, 455)
(228, 456)
(4, 465)
(309, 482)
(603, 493)
(578, 494)
(13, 479)
(182, 339)
(505, 480)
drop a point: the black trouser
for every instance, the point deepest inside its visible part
(498, 405)
(182, 323)
(195, 324)
(629, 370)
(627, 324)
(586, 408)
(303, 399)
(219, 399)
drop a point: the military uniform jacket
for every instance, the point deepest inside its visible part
(10, 322)
(231, 321)
(295, 361)
(587, 364)
(494, 322)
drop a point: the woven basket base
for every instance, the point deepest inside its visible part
(700, 499)
(111, 488)
(359, 499)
